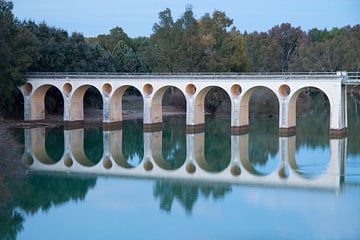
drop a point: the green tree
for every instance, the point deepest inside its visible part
(18, 48)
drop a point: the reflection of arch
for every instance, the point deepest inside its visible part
(38, 102)
(244, 104)
(38, 146)
(116, 106)
(199, 151)
(335, 154)
(77, 148)
(77, 102)
(116, 149)
(244, 155)
(293, 100)
(157, 101)
(199, 107)
(156, 144)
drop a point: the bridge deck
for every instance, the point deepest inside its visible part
(348, 78)
(201, 75)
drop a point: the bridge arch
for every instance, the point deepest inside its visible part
(77, 101)
(38, 100)
(292, 112)
(200, 102)
(116, 102)
(245, 102)
(157, 102)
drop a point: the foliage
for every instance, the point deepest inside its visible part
(18, 49)
(210, 43)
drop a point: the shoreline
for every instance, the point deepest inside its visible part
(56, 121)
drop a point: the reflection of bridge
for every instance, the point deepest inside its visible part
(286, 87)
(239, 170)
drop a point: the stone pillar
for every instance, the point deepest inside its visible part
(286, 125)
(150, 123)
(236, 126)
(27, 107)
(194, 122)
(109, 121)
(338, 118)
(67, 107)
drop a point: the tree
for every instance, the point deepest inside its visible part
(18, 48)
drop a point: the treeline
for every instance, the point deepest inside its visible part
(210, 43)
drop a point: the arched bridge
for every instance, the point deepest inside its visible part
(239, 87)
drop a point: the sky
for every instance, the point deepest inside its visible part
(136, 17)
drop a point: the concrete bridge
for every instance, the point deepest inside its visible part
(239, 87)
(239, 170)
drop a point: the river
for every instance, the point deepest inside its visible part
(131, 184)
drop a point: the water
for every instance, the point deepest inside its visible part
(132, 184)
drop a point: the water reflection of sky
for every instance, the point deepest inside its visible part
(246, 212)
(312, 161)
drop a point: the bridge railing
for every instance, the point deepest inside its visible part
(180, 73)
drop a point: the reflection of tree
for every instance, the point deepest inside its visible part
(187, 193)
(29, 194)
(54, 143)
(313, 117)
(11, 169)
(174, 141)
(133, 139)
(22, 194)
(354, 123)
(263, 139)
(217, 143)
(93, 144)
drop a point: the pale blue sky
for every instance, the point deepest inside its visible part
(136, 17)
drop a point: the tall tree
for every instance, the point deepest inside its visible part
(18, 48)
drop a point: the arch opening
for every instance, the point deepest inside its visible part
(213, 103)
(125, 102)
(284, 90)
(310, 110)
(260, 110)
(86, 104)
(167, 101)
(47, 102)
(54, 104)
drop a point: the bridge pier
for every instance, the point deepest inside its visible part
(338, 112)
(195, 120)
(287, 125)
(239, 116)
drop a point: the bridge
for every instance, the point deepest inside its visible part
(239, 170)
(194, 86)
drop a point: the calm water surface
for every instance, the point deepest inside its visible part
(129, 184)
